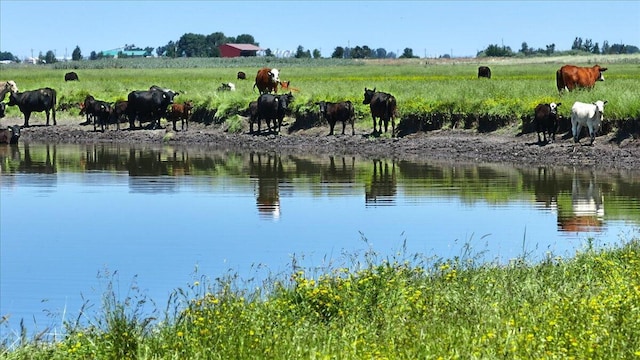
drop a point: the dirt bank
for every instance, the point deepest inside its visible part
(611, 151)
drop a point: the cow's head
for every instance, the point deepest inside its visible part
(600, 107)
(600, 71)
(285, 100)
(323, 107)
(15, 134)
(368, 95)
(11, 86)
(554, 107)
(274, 75)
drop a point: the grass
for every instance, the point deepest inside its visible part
(424, 88)
(404, 307)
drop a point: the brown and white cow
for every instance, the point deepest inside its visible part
(267, 80)
(570, 77)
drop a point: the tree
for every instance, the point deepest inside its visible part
(605, 47)
(214, 40)
(268, 52)
(76, 54)
(381, 53)
(301, 54)
(192, 45)
(245, 39)
(49, 58)
(497, 51)
(338, 53)
(596, 49)
(577, 44)
(524, 48)
(5, 55)
(93, 55)
(316, 54)
(550, 49)
(407, 54)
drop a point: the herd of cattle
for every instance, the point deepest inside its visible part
(156, 103)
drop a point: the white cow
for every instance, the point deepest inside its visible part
(7, 86)
(586, 114)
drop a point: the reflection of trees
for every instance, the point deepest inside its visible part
(587, 205)
(267, 169)
(32, 166)
(382, 188)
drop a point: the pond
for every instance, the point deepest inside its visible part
(75, 217)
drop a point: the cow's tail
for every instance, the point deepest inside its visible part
(559, 80)
(254, 86)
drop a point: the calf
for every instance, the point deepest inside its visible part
(253, 116)
(589, 115)
(242, 75)
(180, 112)
(546, 120)
(227, 87)
(97, 110)
(273, 108)
(333, 112)
(383, 107)
(10, 135)
(35, 100)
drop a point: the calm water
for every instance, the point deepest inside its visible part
(164, 217)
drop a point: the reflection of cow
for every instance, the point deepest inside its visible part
(267, 170)
(343, 173)
(382, 188)
(587, 205)
(31, 166)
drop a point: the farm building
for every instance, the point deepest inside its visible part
(235, 50)
(130, 53)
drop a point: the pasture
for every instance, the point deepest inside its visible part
(430, 93)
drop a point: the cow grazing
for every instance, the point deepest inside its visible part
(149, 105)
(97, 110)
(590, 115)
(273, 108)
(334, 112)
(10, 135)
(570, 77)
(267, 80)
(546, 120)
(484, 72)
(35, 100)
(6, 87)
(180, 112)
(71, 76)
(383, 107)
(227, 87)
(242, 75)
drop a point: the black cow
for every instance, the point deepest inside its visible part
(253, 115)
(149, 105)
(118, 112)
(2, 108)
(484, 72)
(546, 120)
(97, 110)
(71, 76)
(273, 108)
(383, 107)
(35, 100)
(242, 75)
(10, 135)
(334, 112)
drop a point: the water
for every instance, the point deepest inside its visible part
(73, 215)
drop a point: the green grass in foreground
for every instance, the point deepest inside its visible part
(584, 307)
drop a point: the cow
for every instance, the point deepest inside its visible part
(570, 77)
(119, 112)
(484, 72)
(273, 108)
(71, 76)
(7, 86)
(227, 87)
(267, 80)
(383, 107)
(180, 112)
(10, 135)
(590, 115)
(149, 105)
(242, 75)
(97, 110)
(333, 112)
(253, 115)
(2, 108)
(546, 120)
(285, 86)
(39, 100)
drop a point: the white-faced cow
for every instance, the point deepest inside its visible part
(267, 80)
(546, 120)
(10, 135)
(570, 77)
(273, 108)
(333, 112)
(7, 87)
(383, 107)
(149, 105)
(589, 115)
(227, 87)
(35, 100)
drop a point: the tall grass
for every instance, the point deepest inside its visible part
(401, 307)
(422, 89)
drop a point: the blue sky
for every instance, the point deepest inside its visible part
(430, 28)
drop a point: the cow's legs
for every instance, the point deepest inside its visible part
(592, 133)
(374, 123)
(576, 132)
(27, 115)
(47, 112)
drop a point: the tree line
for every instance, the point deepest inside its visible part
(199, 45)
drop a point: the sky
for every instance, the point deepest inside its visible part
(429, 28)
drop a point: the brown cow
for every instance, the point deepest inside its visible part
(267, 80)
(570, 77)
(180, 112)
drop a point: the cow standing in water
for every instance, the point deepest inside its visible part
(570, 77)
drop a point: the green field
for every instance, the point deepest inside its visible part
(430, 93)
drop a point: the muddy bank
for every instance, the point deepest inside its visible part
(506, 145)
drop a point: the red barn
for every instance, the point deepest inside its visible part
(235, 50)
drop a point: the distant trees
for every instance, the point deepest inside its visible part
(362, 52)
(6, 55)
(76, 54)
(407, 54)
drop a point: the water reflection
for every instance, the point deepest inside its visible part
(382, 186)
(587, 205)
(267, 171)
